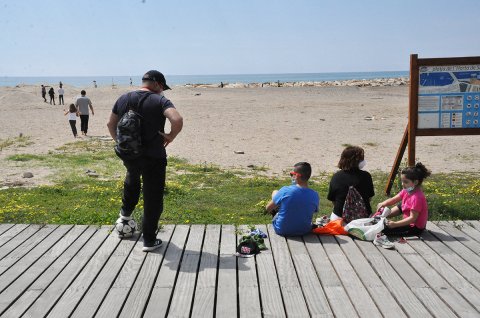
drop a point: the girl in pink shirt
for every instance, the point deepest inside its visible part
(414, 204)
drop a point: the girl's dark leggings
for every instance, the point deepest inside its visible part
(73, 124)
(403, 231)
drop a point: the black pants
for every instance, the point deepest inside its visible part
(84, 123)
(73, 125)
(60, 100)
(152, 171)
(52, 99)
(403, 231)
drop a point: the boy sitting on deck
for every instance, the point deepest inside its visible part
(295, 203)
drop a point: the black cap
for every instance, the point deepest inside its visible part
(156, 76)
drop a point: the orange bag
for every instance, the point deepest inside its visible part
(334, 227)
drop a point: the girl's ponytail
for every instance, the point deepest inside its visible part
(418, 172)
(422, 171)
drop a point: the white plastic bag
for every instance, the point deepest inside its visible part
(364, 229)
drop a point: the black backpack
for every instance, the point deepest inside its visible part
(129, 144)
(354, 206)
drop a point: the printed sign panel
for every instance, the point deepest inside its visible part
(449, 96)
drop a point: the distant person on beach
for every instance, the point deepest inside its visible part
(72, 118)
(83, 103)
(44, 93)
(221, 84)
(95, 84)
(131, 82)
(51, 93)
(60, 95)
(295, 204)
(150, 167)
(351, 173)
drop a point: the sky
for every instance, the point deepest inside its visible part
(183, 37)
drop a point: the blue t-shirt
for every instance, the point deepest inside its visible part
(297, 206)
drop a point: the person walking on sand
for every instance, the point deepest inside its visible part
(150, 167)
(51, 93)
(83, 103)
(60, 95)
(44, 93)
(295, 204)
(72, 118)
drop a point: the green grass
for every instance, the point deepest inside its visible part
(20, 141)
(202, 193)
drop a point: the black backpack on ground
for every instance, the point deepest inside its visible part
(129, 144)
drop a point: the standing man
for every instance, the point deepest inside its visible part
(44, 93)
(60, 95)
(151, 166)
(83, 103)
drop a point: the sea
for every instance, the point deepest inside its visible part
(172, 80)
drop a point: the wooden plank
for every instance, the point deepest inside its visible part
(226, 305)
(78, 235)
(448, 272)
(312, 289)
(358, 294)
(454, 252)
(385, 302)
(15, 263)
(58, 276)
(29, 245)
(454, 230)
(11, 233)
(96, 277)
(400, 290)
(124, 282)
(165, 280)
(138, 297)
(332, 286)
(417, 284)
(204, 298)
(75, 275)
(443, 289)
(469, 229)
(474, 223)
(182, 297)
(293, 298)
(272, 302)
(92, 298)
(18, 240)
(248, 292)
(4, 227)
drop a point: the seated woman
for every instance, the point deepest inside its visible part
(351, 163)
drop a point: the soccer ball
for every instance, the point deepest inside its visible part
(125, 228)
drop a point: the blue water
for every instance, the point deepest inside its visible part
(87, 81)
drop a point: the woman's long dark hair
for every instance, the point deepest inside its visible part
(351, 157)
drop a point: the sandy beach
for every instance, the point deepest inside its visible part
(274, 127)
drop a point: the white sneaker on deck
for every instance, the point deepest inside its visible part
(382, 240)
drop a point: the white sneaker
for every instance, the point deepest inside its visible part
(386, 212)
(382, 240)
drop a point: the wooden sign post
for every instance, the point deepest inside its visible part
(444, 100)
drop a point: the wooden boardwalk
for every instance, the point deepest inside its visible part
(86, 271)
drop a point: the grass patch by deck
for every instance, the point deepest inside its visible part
(195, 193)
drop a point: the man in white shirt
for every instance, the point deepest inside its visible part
(60, 95)
(83, 103)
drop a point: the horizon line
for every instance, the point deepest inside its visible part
(226, 74)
